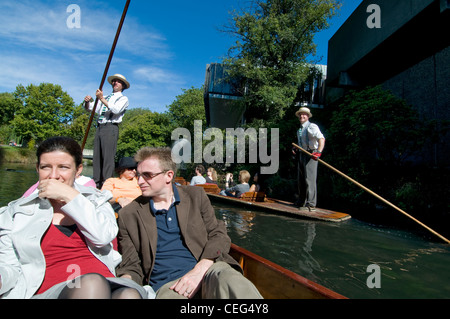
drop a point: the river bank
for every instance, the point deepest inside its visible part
(12, 154)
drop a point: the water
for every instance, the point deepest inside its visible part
(335, 255)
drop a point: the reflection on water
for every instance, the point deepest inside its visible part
(337, 255)
(15, 180)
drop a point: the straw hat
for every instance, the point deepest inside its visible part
(303, 110)
(119, 77)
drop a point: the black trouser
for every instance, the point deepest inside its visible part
(105, 146)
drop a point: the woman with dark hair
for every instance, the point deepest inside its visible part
(56, 243)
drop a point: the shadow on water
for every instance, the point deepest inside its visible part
(337, 255)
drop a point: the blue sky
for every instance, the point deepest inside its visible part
(164, 46)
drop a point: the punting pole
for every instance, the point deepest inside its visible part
(375, 194)
(111, 53)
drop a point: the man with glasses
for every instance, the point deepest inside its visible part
(171, 240)
(110, 110)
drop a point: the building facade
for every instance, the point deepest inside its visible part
(403, 45)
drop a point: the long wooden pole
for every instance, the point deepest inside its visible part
(375, 194)
(108, 63)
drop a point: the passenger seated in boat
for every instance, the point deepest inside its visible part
(125, 187)
(239, 189)
(198, 178)
(56, 243)
(171, 239)
(211, 176)
(256, 187)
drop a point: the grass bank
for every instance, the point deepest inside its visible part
(10, 154)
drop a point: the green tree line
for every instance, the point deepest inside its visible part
(37, 112)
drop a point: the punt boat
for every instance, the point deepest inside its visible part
(259, 201)
(276, 282)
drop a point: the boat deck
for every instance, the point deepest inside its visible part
(283, 208)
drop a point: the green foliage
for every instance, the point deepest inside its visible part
(46, 110)
(373, 137)
(9, 105)
(187, 108)
(10, 154)
(274, 41)
(373, 125)
(77, 128)
(142, 128)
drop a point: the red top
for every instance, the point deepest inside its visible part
(67, 257)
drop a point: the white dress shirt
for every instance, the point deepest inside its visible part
(118, 104)
(310, 137)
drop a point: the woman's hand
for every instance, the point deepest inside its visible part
(56, 190)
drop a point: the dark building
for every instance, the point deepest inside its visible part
(223, 95)
(406, 51)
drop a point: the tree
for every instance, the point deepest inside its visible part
(142, 128)
(374, 137)
(45, 110)
(78, 126)
(187, 108)
(274, 40)
(373, 125)
(9, 105)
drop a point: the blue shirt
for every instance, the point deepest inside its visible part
(173, 259)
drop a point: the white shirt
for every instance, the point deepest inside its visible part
(198, 180)
(118, 104)
(310, 136)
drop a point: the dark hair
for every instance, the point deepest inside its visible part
(200, 168)
(61, 143)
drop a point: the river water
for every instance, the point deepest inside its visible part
(353, 258)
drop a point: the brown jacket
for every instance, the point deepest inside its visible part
(204, 235)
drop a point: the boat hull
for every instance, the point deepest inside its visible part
(276, 282)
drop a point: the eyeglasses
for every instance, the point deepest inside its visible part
(148, 176)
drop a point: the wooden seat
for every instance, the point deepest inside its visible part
(210, 188)
(180, 180)
(254, 196)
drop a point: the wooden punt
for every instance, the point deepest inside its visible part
(259, 201)
(276, 282)
(180, 180)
